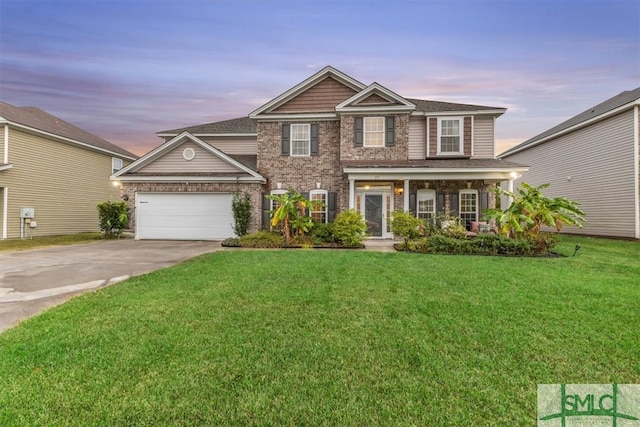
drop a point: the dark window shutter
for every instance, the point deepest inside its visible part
(358, 131)
(454, 200)
(332, 199)
(440, 203)
(412, 203)
(390, 131)
(484, 201)
(266, 207)
(314, 139)
(286, 132)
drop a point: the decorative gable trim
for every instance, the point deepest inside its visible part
(122, 174)
(396, 103)
(305, 85)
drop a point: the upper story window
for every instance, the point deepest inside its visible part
(450, 132)
(116, 164)
(300, 140)
(373, 132)
(426, 204)
(319, 214)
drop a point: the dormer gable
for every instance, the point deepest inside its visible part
(375, 99)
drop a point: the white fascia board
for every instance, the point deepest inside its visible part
(636, 165)
(296, 117)
(70, 141)
(421, 175)
(376, 109)
(304, 85)
(225, 179)
(164, 135)
(497, 112)
(374, 88)
(409, 171)
(573, 128)
(5, 167)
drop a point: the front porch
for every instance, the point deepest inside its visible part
(459, 188)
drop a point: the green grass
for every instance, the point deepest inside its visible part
(302, 337)
(46, 241)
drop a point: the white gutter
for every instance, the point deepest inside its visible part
(573, 128)
(384, 170)
(458, 113)
(294, 117)
(208, 134)
(225, 179)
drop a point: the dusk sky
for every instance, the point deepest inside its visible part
(125, 70)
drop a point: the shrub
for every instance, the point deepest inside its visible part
(486, 244)
(241, 209)
(262, 239)
(322, 233)
(231, 242)
(451, 227)
(349, 228)
(441, 244)
(407, 226)
(114, 217)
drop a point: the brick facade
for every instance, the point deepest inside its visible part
(400, 151)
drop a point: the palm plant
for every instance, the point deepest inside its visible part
(530, 210)
(292, 213)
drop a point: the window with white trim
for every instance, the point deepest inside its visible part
(275, 204)
(468, 207)
(116, 164)
(373, 132)
(426, 204)
(450, 135)
(300, 139)
(319, 213)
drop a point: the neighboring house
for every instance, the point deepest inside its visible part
(593, 159)
(332, 138)
(52, 174)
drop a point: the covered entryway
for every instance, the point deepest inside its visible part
(184, 216)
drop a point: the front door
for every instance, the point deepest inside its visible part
(373, 214)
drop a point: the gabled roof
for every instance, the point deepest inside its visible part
(239, 126)
(128, 173)
(37, 120)
(614, 105)
(327, 71)
(394, 101)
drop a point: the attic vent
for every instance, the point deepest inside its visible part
(189, 154)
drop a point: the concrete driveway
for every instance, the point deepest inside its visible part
(31, 281)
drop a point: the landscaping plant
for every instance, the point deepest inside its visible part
(241, 209)
(291, 213)
(406, 225)
(349, 228)
(114, 217)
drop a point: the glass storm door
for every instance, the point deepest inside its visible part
(373, 212)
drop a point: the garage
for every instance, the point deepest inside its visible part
(184, 216)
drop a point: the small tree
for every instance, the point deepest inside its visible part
(530, 210)
(407, 226)
(114, 217)
(292, 213)
(241, 209)
(349, 228)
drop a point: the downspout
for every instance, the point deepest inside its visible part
(636, 167)
(5, 190)
(6, 144)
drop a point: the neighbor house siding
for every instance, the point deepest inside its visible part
(594, 167)
(483, 137)
(417, 138)
(2, 131)
(322, 97)
(174, 162)
(61, 182)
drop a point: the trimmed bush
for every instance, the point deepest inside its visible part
(349, 228)
(262, 239)
(489, 244)
(233, 242)
(241, 209)
(322, 233)
(114, 217)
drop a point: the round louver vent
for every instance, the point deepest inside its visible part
(189, 154)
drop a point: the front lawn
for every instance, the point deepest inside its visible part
(303, 337)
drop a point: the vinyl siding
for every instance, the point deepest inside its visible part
(2, 129)
(234, 145)
(599, 161)
(174, 162)
(417, 138)
(322, 97)
(61, 182)
(483, 137)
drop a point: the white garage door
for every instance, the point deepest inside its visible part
(180, 216)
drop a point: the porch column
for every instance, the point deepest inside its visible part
(510, 188)
(352, 194)
(406, 195)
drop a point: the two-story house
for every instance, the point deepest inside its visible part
(332, 138)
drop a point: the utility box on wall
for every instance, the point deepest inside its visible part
(27, 213)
